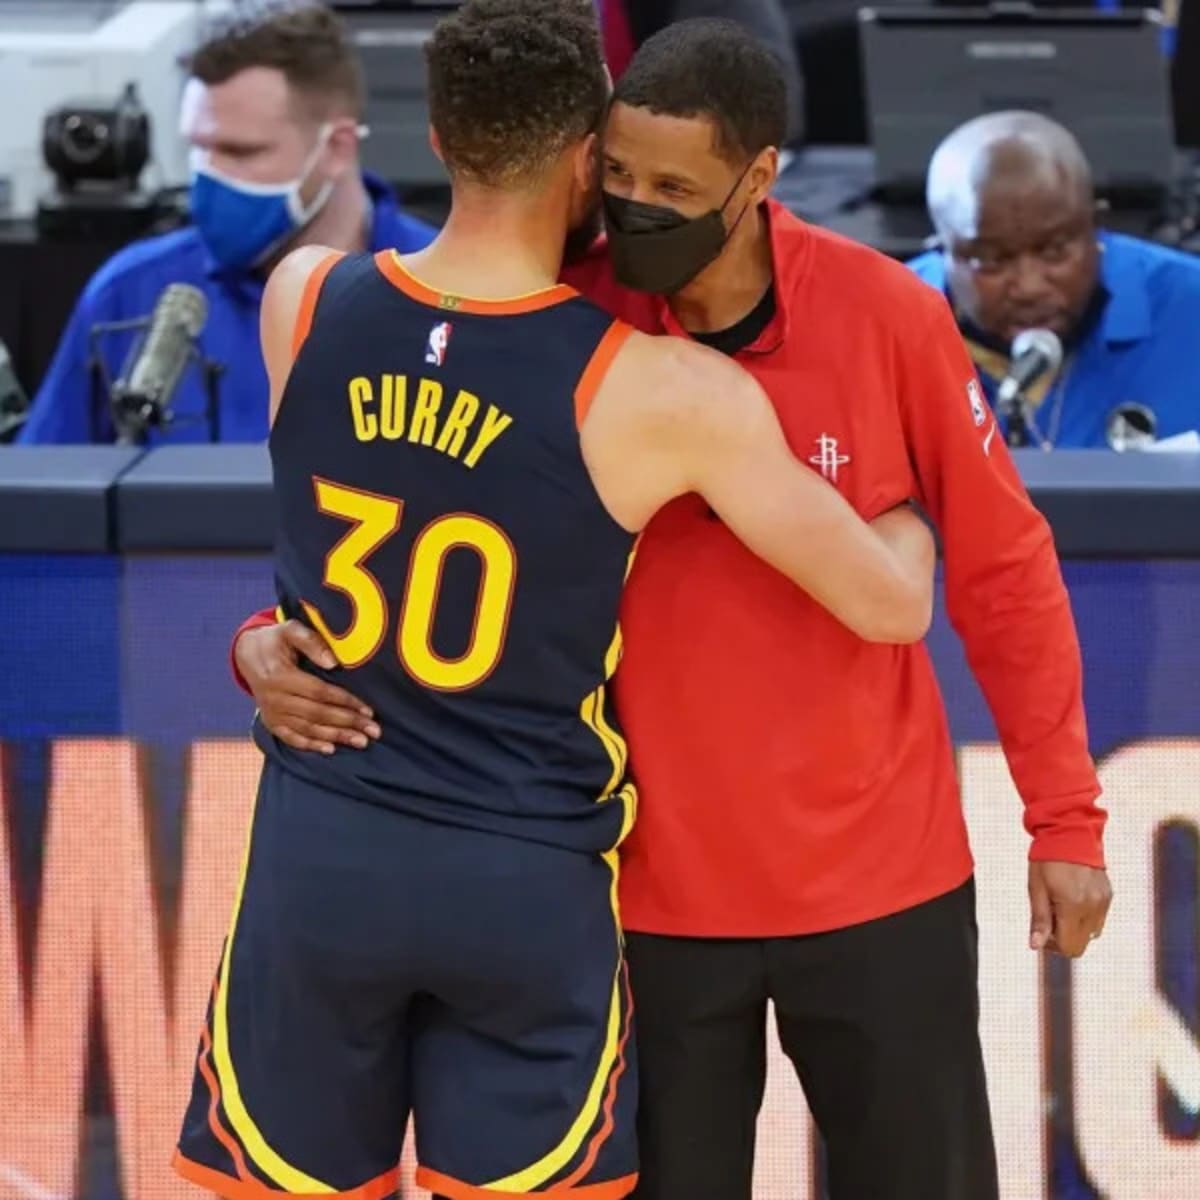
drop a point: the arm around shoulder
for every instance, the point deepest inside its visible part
(719, 433)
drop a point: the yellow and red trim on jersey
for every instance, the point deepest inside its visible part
(395, 272)
(308, 300)
(264, 1157)
(455, 1189)
(382, 1188)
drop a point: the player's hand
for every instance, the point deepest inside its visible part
(1068, 904)
(908, 536)
(304, 712)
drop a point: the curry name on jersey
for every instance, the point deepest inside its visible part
(438, 526)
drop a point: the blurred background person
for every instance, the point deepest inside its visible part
(628, 23)
(1010, 197)
(272, 110)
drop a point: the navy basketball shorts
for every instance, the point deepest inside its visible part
(380, 965)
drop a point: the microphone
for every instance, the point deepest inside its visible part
(144, 390)
(1035, 352)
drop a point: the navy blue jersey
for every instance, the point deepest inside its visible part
(437, 524)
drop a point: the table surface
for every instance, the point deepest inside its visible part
(210, 498)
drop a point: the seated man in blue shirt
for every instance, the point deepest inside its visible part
(272, 110)
(1010, 196)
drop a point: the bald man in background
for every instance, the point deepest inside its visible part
(1011, 198)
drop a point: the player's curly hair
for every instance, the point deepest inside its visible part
(512, 83)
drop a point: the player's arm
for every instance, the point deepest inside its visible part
(673, 418)
(1006, 599)
(299, 709)
(286, 308)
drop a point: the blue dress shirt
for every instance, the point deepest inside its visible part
(70, 408)
(1142, 349)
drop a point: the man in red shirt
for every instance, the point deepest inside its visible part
(801, 837)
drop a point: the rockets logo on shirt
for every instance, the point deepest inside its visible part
(827, 459)
(438, 344)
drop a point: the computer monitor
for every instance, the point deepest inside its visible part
(1185, 76)
(379, 6)
(1103, 75)
(390, 37)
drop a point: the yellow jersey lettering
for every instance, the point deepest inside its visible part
(494, 424)
(392, 406)
(366, 424)
(425, 410)
(454, 432)
(498, 565)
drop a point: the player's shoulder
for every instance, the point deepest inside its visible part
(674, 382)
(576, 324)
(680, 360)
(299, 277)
(305, 259)
(301, 264)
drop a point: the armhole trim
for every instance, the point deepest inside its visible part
(309, 298)
(597, 368)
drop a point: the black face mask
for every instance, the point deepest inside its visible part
(656, 249)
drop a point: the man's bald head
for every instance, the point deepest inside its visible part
(1010, 195)
(1009, 151)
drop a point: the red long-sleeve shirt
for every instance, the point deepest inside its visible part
(794, 778)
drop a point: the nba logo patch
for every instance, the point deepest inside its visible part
(439, 340)
(978, 408)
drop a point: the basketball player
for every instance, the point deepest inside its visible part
(463, 455)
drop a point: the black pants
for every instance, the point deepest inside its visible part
(881, 1023)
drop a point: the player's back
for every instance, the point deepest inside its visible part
(436, 522)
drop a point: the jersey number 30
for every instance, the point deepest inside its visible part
(374, 519)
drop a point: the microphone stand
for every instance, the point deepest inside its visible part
(1015, 420)
(134, 416)
(11, 420)
(213, 371)
(100, 384)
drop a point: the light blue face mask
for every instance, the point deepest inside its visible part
(242, 224)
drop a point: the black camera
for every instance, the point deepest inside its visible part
(87, 141)
(97, 150)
